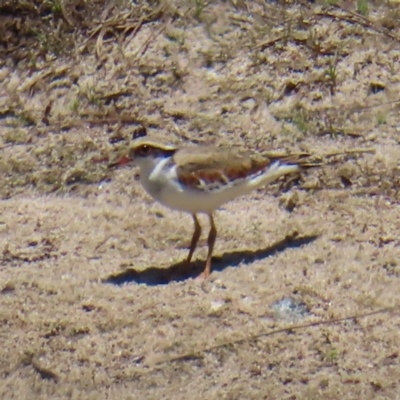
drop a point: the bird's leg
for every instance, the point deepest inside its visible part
(195, 239)
(210, 241)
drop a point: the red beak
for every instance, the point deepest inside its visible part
(122, 161)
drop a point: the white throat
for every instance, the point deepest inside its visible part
(153, 174)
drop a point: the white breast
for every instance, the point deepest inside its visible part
(162, 184)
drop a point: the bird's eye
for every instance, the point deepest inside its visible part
(144, 150)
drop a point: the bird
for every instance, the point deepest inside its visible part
(201, 178)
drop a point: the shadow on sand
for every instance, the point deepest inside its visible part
(177, 272)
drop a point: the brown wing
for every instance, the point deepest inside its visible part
(205, 166)
(201, 165)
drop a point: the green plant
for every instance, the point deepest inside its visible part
(331, 73)
(74, 104)
(199, 7)
(299, 119)
(381, 118)
(56, 7)
(332, 356)
(362, 7)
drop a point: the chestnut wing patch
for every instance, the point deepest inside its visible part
(212, 170)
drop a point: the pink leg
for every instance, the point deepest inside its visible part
(195, 239)
(212, 236)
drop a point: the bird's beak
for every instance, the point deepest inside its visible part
(122, 161)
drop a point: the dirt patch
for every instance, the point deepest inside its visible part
(94, 301)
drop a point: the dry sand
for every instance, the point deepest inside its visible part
(94, 303)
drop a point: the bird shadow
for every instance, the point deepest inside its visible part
(178, 272)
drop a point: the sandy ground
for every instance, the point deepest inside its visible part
(304, 295)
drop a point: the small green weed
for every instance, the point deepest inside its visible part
(362, 7)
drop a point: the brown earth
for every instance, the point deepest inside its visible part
(94, 302)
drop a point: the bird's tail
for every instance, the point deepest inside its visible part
(288, 164)
(307, 160)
